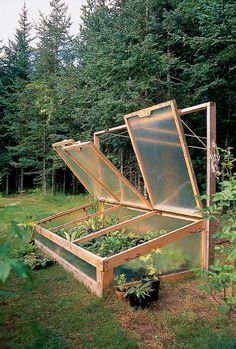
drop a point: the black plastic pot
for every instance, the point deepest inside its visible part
(155, 285)
(136, 302)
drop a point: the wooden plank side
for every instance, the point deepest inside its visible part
(87, 256)
(63, 213)
(173, 277)
(114, 227)
(131, 206)
(84, 218)
(134, 252)
(79, 275)
(181, 216)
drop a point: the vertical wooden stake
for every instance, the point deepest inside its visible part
(105, 278)
(96, 141)
(211, 180)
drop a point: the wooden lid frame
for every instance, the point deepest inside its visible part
(147, 114)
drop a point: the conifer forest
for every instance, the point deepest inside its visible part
(128, 54)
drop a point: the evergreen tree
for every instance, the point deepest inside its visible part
(129, 54)
(17, 67)
(54, 47)
(54, 54)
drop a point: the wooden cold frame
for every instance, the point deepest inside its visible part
(210, 108)
(104, 266)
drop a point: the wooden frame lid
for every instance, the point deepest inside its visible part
(160, 146)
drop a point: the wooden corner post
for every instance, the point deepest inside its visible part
(211, 179)
(105, 278)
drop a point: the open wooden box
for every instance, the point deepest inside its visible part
(171, 214)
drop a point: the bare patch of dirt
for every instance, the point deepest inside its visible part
(149, 326)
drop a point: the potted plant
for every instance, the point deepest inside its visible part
(153, 275)
(139, 295)
(120, 281)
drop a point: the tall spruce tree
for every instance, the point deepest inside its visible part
(54, 54)
(17, 64)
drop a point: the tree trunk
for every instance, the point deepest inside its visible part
(122, 162)
(168, 72)
(44, 184)
(73, 184)
(21, 179)
(7, 184)
(64, 181)
(16, 180)
(44, 179)
(139, 182)
(53, 180)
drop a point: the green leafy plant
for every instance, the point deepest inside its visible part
(116, 242)
(32, 256)
(88, 226)
(150, 263)
(140, 290)
(72, 235)
(221, 276)
(120, 281)
(8, 264)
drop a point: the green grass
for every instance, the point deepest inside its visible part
(54, 311)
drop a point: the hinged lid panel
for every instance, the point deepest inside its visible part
(160, 147)
(94, 188)
(99, 176)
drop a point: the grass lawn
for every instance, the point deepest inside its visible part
(55, 311)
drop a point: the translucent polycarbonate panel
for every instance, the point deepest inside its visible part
(123, 213)
(54, 222)
(178, 256)
(133, 234)
(158, 148)
(99, 222)
(77, 262)
(92, 186)
(157, 224)
(65, 218)
(104, 171)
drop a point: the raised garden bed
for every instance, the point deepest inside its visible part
(99, 241)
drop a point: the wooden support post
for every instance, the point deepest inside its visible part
(105, 278)
(211, 180)
(96, 140)
(207, 240)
